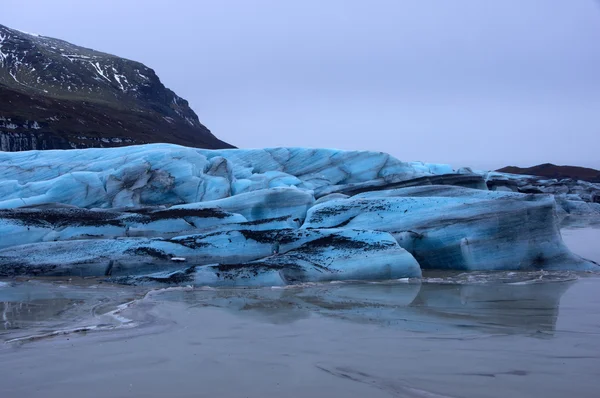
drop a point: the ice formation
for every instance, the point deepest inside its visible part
(168, 214)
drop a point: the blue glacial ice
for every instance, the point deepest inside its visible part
(318, 257)
(459, 228)
(165, 174)
(275, 208)
(162, 213)
(217, 258)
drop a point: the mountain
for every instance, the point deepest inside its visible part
(56, 95)
(550, 170)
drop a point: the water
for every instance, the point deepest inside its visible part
(451, 335)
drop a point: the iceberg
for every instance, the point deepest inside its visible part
(166, 174)
(459, 228)
(275, 208)
(162, 213)
(264, 204)
(334, 255)
(293, 256)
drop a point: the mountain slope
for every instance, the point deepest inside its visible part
(54, 94)
(550, 170)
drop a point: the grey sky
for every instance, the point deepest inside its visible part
(485, 83)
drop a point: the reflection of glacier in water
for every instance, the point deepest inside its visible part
(491, 303)
(519, 307)
(470, 335)
(488, 302)
(46, 308)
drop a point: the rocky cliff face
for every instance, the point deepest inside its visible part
(56, 95)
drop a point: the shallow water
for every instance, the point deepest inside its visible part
(451, 335)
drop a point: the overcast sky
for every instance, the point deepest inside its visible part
(485, 83)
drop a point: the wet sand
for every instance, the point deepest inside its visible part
(454, 335)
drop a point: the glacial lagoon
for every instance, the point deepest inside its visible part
(134, 266)
(452, 334)
(164, 271)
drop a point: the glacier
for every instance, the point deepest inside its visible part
(291, 254)
(447, 227)
(168, 214)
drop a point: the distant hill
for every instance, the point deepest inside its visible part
(56, 95)
(550, 170)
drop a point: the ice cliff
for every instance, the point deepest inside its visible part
(168, 214)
